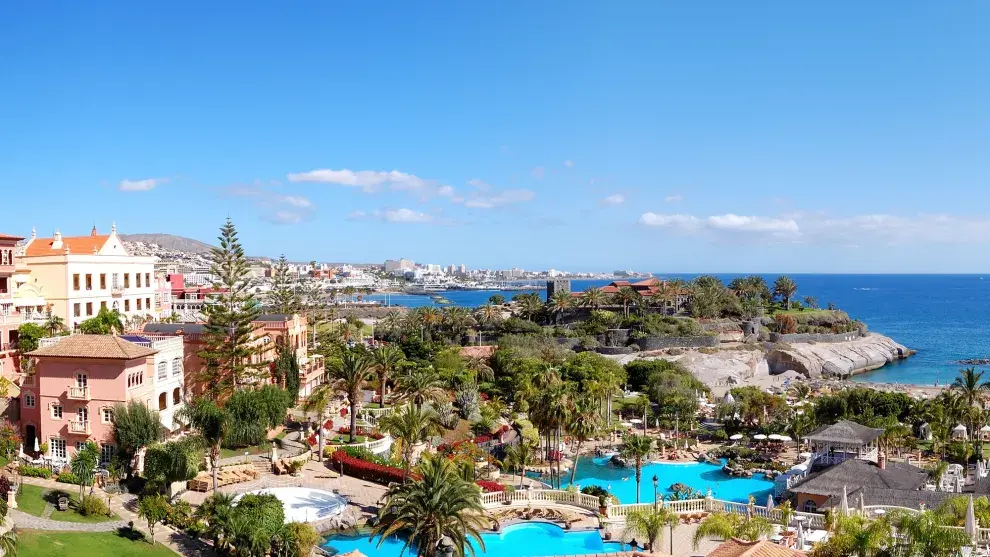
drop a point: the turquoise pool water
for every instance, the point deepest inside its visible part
(700, 476)
(530, 539)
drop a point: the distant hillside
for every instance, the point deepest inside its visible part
(169, 242)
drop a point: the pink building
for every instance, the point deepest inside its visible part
(77, 380)
(10, 319)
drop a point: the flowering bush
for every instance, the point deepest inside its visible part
(490, 487)
(364, 431)
(365, 470)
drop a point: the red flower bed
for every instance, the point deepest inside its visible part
(346, 430)
(477, 440)
(490, 487)
(365, 470)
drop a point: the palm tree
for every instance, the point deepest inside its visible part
(318, 402)
(969, 384)
(785, 287)
(388, 359)
(724, 526)
(929, 533)
(439, 505)
(55, 324)
(488, 315)
(84, 463)
(650, 524)
(559, 303)
(8, 543)
(420, 385)
(584, 423)
(859, 537)
(625, 297)
(410, 426)
(429, 317)
(520, 456)
(637, 447)
(529, 304)
(218, 513)
(593, 297)
(211, 422)
(348, 376)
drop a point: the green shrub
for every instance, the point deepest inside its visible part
(34, 471)
(179, 515)
(68, 478)
(91, 505)
(264, 510)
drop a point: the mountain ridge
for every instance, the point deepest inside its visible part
(172, 242)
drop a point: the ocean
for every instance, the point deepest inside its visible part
(940, 316)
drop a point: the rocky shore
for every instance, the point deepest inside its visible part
(767, 363)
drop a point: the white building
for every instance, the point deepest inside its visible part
(399, 266)
(434, 269)
(81, 274)
(169, 379)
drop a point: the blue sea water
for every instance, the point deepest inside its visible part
(940, 316)
(699, 476)
(530, 539)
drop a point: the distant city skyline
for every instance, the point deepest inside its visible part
(587, 136)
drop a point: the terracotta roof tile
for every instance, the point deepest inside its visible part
(105, 347)
(478, 351)
(77, 245)
(762, 548)
(9, 237)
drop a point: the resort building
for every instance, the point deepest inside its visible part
(841, 441)
(82, 274)
(78, 379)
(291, 330)
(10, 318)
(648, 288)
(169, 376)
(883, 481)
(186, 299)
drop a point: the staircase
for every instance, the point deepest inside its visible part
(263, 467)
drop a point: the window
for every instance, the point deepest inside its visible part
(134, 379)
(162, 402)
(57, 447)
(147, 304)
(147, 279)
(56, 411)
(82, 415)
(28, 400)
(137, 280)
(103, 281)
(107, 415)
(76, 311)
(80, 445)
(810, 506)
(162, 370)
(176, 366)
(107, 452)
(103, 305)
(127, 305)
(89, 282)
(89, 308)
(127, 280)
(177, 396)
(75, 281)
(82, 380)
(116, 281)
(138, 304)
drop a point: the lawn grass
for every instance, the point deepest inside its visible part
(34, 543)
(31, 499)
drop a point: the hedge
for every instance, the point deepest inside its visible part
(365, 470)
(34, 471)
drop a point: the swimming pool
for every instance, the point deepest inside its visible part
(529, 539)
(303, 504)
(700, 476)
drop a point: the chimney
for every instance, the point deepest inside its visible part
(882, 461)
(57, 241)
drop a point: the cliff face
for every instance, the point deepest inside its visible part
(728, 366)
(839, 359)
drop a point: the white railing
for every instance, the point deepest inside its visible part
(79, 393)
(373, 415)
(79, 427)
(377, 446)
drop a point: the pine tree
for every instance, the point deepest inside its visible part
(287, 370)
(282, 298)
(229, 322)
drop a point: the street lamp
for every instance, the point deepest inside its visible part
(656, 489)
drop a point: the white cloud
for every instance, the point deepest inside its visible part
(368, 180)
(674, 198)
(284, 217)
(496, 199)
(614, 199)
(147, 184)
(539, 172)
(480, 184)
(569, 163)
(406, 215)
(445, 191)
(817, 227)
(296, 201)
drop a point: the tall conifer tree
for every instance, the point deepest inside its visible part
(229, 326)
(282, 298)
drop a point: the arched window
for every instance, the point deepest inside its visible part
(810, 506)
(176, 396)
(162, 370)
(162, 401)
(176, 366)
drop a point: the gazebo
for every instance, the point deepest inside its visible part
(959, 432)
(841, 441)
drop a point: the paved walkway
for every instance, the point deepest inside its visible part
(31, 522)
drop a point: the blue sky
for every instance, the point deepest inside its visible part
(670, 137)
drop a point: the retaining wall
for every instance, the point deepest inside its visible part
(658, 343)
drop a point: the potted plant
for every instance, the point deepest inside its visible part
(509, 490)
(603, 505)
(786, 512)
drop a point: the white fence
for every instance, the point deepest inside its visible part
(377, 446)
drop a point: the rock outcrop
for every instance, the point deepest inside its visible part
(715, 367)
(838, 359)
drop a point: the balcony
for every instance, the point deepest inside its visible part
(12, 318)
(116, 291)
(78, 393)
(81, 428)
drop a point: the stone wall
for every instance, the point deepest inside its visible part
(659, 343)
(614, 350)
(614, 338)
(815, 337)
